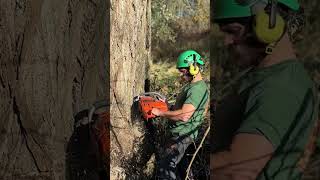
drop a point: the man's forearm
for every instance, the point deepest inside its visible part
(183, 114)
(176, 115)
(219, 163)
(223, 168)
(220, 160)
(248, 155)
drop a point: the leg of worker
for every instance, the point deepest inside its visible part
(171, 157)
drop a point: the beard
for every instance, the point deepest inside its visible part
(185, 78)
(246, 54)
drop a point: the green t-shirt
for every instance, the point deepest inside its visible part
(197, 95)
(280, 106)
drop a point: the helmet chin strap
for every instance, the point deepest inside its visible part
(259, 59)
(194, 76)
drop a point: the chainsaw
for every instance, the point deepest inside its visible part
(149, 100)
(90, 142)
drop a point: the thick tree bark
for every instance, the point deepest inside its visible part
(130, 51)
(53, 64)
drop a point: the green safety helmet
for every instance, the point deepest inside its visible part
(186, 58)
(224, 9)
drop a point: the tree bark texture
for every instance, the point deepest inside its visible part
(53, 64)
(129, 53)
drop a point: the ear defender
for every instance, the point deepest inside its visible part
(262, 30)
(193, 68)
(268, 26)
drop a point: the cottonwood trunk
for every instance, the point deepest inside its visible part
(53, 64)
(129, 54)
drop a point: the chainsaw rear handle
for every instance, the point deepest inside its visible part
(95, 106)
(88, 113)
(155, 94)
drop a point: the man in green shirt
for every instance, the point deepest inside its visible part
(186, 116)
(263, 130)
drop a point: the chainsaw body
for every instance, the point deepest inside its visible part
(148, 101)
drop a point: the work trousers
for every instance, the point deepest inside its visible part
(171, 156)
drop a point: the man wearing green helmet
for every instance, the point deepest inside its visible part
(266, 129)
(186, 116)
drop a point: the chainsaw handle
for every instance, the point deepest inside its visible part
(100, 104)
(95, 106)
(156, 94)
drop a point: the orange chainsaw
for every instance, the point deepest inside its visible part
(149, 100)
(88, 150)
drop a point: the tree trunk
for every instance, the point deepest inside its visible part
(130, 52)
(53, 64)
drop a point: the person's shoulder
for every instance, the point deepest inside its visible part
(292, 80)
(199, 86)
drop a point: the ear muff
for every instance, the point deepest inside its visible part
(194, 69)
(263, 32)
(268, 25)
